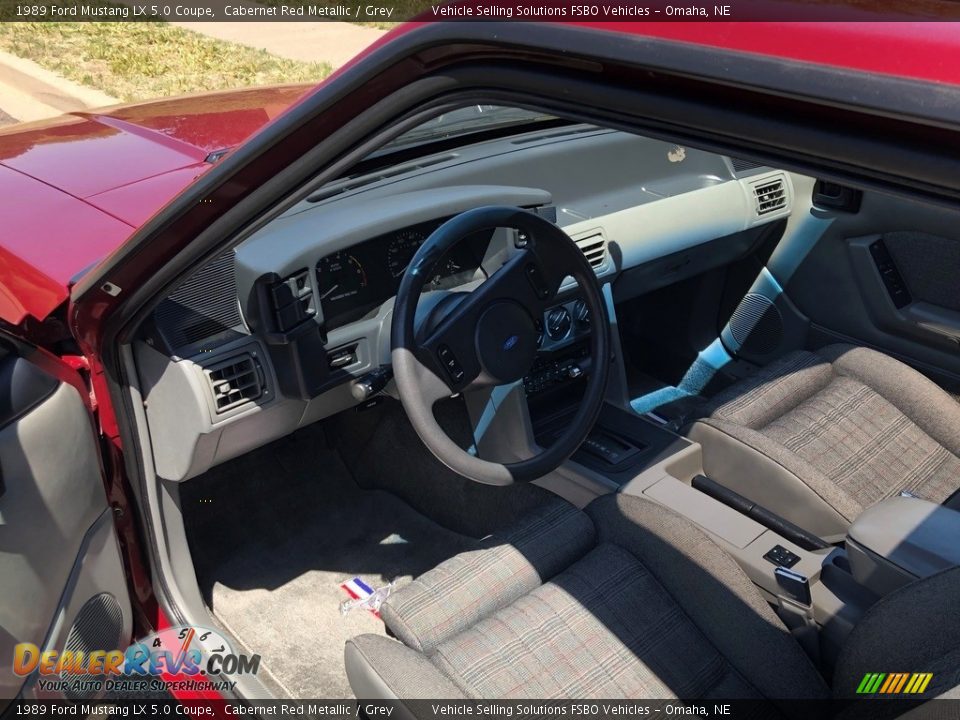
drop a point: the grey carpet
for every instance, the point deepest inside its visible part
(273, 534)
(384, 451)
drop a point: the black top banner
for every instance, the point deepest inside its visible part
(387, 11)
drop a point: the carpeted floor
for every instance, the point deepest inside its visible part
(383, 451)
(273, 534)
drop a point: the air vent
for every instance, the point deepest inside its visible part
(234, 382)
(554, 135)
(770, 196)
(594, 249)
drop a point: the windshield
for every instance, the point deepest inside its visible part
(464, 121)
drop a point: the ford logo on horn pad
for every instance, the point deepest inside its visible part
(510, 342)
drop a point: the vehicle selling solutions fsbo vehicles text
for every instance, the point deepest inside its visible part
(580, 11)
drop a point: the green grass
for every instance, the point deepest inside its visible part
(142, 60)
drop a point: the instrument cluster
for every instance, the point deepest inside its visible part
(354, 281)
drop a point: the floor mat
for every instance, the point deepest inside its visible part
(273, 536)
(384, 451)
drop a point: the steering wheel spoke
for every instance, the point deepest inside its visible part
(451, 356)
(432, 384)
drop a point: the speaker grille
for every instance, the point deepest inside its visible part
(203, 306)
(757, 325)
(98, 626)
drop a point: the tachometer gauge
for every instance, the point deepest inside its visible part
(340, 276)
(403, 247)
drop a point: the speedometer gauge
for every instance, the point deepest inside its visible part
(340, 276)
(403, 247)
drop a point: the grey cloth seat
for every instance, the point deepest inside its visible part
(818, 437)
(624, 600)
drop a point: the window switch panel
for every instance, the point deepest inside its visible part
(781, 557)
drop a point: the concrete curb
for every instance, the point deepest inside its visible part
(31, 92)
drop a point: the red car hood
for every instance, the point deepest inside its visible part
(74, 188)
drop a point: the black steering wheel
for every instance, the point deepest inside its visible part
(488, 337)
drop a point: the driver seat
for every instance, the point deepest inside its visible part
(626, 600)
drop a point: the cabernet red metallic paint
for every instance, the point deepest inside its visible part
(75, 187)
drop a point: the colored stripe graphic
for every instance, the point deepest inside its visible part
(894, 683)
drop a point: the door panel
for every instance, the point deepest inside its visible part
(882, 276)
(59, 558)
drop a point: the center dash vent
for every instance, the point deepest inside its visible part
(770, 196)
(234, 382)
(594, 249)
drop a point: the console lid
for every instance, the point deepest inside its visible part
(900, 540)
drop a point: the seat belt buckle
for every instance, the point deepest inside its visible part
(793, 586)
(796, 610)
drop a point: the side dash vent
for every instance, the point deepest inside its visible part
(594, 249)
(234, 382)
(770, 196)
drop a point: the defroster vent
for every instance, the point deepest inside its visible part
(234, 382)
(741, 166)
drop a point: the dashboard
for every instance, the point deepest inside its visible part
(269, 336)
(357, 280)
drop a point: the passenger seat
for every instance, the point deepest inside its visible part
(818, 437)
